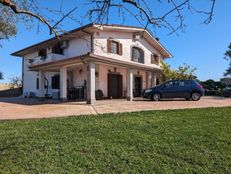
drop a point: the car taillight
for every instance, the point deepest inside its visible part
(200, 86)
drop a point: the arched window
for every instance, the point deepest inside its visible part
(137, 55)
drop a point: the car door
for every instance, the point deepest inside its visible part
(184, 88)
(181, 89)
(169, 89)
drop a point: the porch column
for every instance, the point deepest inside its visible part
(63, 83)
(41, 84)
(149, 81)
(91, 83)
(154, 79)
(129, 85)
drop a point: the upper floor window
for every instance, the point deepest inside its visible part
(155, 59)
(58, 49)
(114, 47)
(137, 55)
(42, 53)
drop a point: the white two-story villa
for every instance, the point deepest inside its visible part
(114, 60)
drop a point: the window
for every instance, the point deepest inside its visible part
(114, 47)
(31, 60)
(157, 81)
(155, 59)
(182, 83)
(137, 55)
(172, 83)
(42, 53)
(37, 83)
(187, 82)
(57, 49)
(55, 82)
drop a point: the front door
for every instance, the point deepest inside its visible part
(114, 86)
(138, 86)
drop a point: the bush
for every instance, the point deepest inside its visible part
(213, 93)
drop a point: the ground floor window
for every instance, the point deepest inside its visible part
(37, 83)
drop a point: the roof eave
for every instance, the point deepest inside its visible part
(166, 53)
(20, 53)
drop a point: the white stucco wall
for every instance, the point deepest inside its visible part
(30, 78)
(79, 46)
(126, 39)
(79, 75)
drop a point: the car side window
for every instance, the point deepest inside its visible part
(168, 84)
(175, 83)
(172, 83)
(182, 83)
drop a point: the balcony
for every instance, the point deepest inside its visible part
(51, 57)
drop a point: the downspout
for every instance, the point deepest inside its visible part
(23, 60)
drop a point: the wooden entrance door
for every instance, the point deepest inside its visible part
(138, 86)
(115, 86)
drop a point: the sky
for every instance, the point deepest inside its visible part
(201, 46)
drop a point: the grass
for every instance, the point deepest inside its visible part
(179, 141)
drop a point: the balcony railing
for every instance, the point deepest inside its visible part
(51, 57)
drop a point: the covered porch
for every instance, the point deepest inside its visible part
(90, 74)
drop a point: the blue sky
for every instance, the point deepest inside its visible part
(201, 46)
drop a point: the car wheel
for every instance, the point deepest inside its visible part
(156, 97)
(196, 96)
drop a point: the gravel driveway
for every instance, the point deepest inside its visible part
(20, 108)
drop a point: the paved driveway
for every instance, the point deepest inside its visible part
(19, 108)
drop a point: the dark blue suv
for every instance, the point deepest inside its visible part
(188, 89)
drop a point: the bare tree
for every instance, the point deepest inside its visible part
(171, 19)
(169, 14)
(15, 82)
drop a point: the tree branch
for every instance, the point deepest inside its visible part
(13, 7)
(52, 29)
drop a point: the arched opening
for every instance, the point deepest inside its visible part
(137, 55)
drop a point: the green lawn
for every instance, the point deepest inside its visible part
(180, 141)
